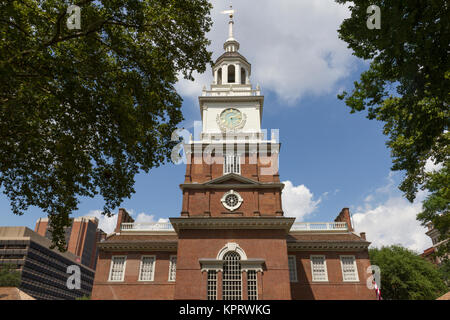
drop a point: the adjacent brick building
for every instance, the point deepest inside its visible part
(232, 240)
(44, 271)
(81, 238)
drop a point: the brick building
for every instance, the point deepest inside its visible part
(81, 238)
(43, 270)
(232, 240)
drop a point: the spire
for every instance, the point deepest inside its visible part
(231, 44)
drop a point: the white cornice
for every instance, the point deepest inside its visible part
(130, 245)
(327, 245)
(232, 223)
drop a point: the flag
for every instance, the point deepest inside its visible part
(377, 290)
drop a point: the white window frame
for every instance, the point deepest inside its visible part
(153, 268)
(171, 258)
(235, 159)
(311, 257)
(354, 265)
(211, 282)
(256, 284)
(294, 258)
(111, 268)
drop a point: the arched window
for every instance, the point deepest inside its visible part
(231, 74)
(232, 277)
(219, 76)
(243, 79)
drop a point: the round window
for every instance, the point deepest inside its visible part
(232, 200)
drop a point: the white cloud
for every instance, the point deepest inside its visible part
(298, 201)
(393, 220)
(430, 166)
(293, 46)
(108, 224)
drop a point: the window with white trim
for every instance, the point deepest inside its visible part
(349, 269)
(292, 268)
(173, 268)
(147, 268)
(251, 285)
(232, 277)
(117, 270)
(319, 268)
(212, 285)
(232, 164)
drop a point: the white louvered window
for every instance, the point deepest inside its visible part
(212, 285)
(117, 271)
(232, 277)
(173, 268)
(319, 268)
(147, 268)
(292, 268)
(252, 286)
(349, 270)
(232, 164)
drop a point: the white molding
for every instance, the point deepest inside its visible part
(153, 268)
(312, 267)
(232, 223)
(170, 267)
(234, 247)
(354, 264)
(231, 208)
(123, 271)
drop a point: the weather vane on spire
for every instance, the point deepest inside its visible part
(231, 14)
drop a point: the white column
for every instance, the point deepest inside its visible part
(216, 76)
(224, 74)
(237, 68)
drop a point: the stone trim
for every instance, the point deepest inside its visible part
(232, 223)
(216, 264)
(138, 245)
(327, 245)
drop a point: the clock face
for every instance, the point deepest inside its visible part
(231, 118)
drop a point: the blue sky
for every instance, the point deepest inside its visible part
(329, 158)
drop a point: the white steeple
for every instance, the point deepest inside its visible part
(231, 70)
(231, 105)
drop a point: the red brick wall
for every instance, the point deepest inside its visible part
(206, 170)
(131, 288)
(262, 201)
(335, 288)
(41, 227)
(269, 245)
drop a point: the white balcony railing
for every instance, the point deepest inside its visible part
(297, 226)
(319, 226)
(146, 226)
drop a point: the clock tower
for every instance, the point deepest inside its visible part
(232, 193)
(232, 240)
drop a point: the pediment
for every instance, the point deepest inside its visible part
(233, 179)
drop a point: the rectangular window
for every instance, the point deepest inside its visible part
(252, 286)
(292, 268)
(319, 268)
(212, 285)
(232, 164)
(349, 270)
(173, 268)
(117, 271)
(147, 268)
